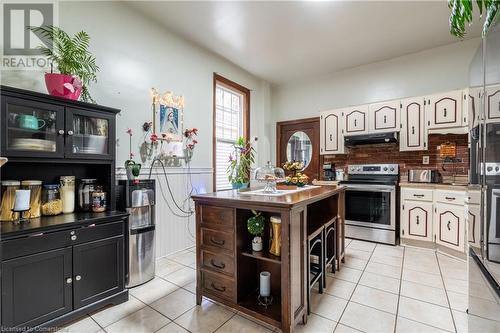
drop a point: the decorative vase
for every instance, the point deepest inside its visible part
(275, 247)
(239, 186)
(55, 86)
(257, 244)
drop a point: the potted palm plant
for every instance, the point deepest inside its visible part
(240, 163)
(76, 65)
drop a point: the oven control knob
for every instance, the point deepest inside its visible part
(385, 168)
(489, 168)
(392, 169)
(497, 168)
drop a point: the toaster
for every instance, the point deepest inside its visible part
(423, 176)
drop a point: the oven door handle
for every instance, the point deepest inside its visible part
(371, 188)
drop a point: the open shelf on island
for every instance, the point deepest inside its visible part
(262, 255)
(270, 314)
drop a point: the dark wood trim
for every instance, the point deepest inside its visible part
(435, 111)
(347, 121)
(218, 79)
(458, 228)
(489, 105)
(419, 124)
(426, 222)
(395, 118)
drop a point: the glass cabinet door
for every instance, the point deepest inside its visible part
(88, 134)
(32, 129)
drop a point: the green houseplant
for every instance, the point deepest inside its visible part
(240, 163)
(255, 226)
(462, 11)
(76, 65)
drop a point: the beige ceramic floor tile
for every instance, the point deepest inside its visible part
(404, 325)
(427, 279)
(166, 266)
(143, 321)
(204, 318)
(114, 313)
(388, 250)
(426, 313)
(368, 319)
(153, 290)
(191, 287)
(422, 266)
(345, 329)
(461, 320)
(361, 245)
(354, 263)
(316, 324)
(85, 325)
(484, 308)
(182, 277)
(175, 304)
(185, 257)
(388, 260)
(458, 286)
(383, 269)
(327, 306)
(376, 298)
(424, 293)
(242, 325)
(472, 324)
(339, 288)
(172, 328)
(458, 301)
(348, 274)
(358, 254)
(380, 282)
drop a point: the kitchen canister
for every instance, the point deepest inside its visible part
(9, 188)
(68, 194)
(35, 209)
(85, 189)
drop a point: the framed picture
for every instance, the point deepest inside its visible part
(171, 122)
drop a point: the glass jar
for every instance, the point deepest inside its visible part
(51, 200)
(85, 189)
(9, 188)
(35, 187)
(98, 200)
(68, 194)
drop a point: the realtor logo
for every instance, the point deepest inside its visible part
(20, 44)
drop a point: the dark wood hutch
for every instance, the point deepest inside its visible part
(58, 268)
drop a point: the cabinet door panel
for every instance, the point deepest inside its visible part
(413, 135)
(35, 288)
(473, 107)
(417, 220)
(98, 270)
(356, 120)
(473, 216)
(450, 226)
(445, 110)
(493, 104)
(332, 140)
(384, 117)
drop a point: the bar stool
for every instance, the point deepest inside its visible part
(329, 246)
(315, 271)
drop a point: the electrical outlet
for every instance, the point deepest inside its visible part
(425, 159)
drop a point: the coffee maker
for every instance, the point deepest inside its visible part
(329, 171)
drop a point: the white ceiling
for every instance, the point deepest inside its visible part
(286, 41)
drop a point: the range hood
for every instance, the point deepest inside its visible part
(371, 138)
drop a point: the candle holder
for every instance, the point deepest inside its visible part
(265, 298)
(265, 301)
(20, 219)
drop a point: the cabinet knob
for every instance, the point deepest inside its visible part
(61, 132)
(73, 237)
(72, 232)
(69, 280)
(70, 132)
(78, 278)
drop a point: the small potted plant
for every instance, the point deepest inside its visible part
(76, 65)
(240, 162)
(132, 168)
(255, 226)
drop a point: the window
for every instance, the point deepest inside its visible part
(231, 120)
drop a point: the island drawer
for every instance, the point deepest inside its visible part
(217, 262)
(218, 285)
(217, 217)
(217, 239)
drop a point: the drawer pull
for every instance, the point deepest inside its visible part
(450, 198)
(418, 195)
(217, 242)
(221, 289)
(448, 225)
(69, 280)
(78, 278)
(221, 265)
(73, 237)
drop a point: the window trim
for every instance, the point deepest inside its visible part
(218, 79)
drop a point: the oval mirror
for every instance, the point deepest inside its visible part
(299, 148)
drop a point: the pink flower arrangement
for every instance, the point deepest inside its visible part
(154, 138)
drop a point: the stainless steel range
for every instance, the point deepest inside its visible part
(370, 202)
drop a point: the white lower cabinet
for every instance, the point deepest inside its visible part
(425, 217)
(473, 235)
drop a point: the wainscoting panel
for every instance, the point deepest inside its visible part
(175, 230)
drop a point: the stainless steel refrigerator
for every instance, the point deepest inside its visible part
(483, 207)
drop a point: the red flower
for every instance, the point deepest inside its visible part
(154, 137)
(129, 131)
(195, 142)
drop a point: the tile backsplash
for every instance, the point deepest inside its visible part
(389, 153)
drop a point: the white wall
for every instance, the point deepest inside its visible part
(430, 71)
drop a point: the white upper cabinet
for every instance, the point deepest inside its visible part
(444, 110)
(331, 138)
(472, 106)
(492, 101)
(413, 135)
(384, 117)
(356, 120)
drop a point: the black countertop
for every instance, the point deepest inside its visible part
(47, 223)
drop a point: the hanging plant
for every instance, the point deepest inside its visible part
(462, 14)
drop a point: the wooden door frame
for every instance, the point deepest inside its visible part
(281, 124)
(218, 79)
